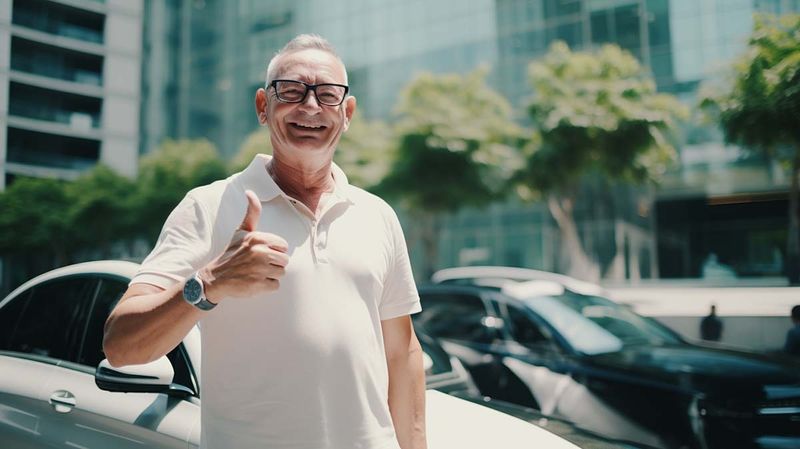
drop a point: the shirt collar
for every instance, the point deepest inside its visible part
(256, 178)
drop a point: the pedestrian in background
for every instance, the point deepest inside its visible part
(711, 326)
(792, 345)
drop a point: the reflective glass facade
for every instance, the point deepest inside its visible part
(214, 56)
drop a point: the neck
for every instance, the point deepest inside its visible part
(305, 185)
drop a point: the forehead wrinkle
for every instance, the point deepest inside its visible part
(315, 66)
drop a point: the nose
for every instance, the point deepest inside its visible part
(310, 103)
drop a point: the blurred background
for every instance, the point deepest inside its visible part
(644, 143)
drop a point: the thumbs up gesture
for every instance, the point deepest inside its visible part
(252, 263)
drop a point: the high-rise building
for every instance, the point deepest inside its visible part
(69, 86)
(717, 194)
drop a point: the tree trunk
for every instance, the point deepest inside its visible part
(793, 239)
(428, 226)
(574, 260)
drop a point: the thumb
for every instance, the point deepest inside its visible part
(251, 217)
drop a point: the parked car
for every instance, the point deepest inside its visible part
(444, 372)
(556, 344)
(58, 391)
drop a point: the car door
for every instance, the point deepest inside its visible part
(94, 418)
(468, 330)
(39, 328)
(532, 354)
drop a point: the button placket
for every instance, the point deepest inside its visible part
(317, 246)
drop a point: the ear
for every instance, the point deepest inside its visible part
(349, 110)
(261, 106)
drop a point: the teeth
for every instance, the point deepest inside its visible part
(308, 126)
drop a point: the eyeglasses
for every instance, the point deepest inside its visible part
(291, 91)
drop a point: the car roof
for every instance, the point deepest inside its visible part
(122, 268)
(483, 291)
(500, 277)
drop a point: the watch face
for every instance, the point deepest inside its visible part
(193, 290)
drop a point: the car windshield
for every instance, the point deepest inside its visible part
(596, 325)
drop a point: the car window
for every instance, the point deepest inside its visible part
(108, 295)
(9, 318)
(51, 319)
(456, 316)
(524, 330)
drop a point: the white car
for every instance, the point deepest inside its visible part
(57, 391)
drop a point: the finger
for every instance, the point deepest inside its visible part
(275, 272)
(270, 256)
(253, 213)
(279, 259)
(270, 284)
(275, 242)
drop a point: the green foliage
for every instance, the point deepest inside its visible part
(596, 112)
(34, 217)
(760, 106)
(166, 174)
(256, 142)
(58, 222)
(456, 143)
(365, 152)
(760, 109)
(100, 209)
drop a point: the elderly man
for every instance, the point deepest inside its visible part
(301, 285)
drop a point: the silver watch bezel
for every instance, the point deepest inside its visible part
(193, 290)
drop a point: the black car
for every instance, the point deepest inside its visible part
(596, 363)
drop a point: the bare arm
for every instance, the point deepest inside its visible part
(150, 321)
(147, 323)
(406, 382)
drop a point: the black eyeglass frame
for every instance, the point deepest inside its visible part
(309, 87)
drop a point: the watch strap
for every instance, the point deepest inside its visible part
(202, 303)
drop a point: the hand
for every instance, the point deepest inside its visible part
(252, 263)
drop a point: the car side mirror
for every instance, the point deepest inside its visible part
(493, 322)
(491, 328)
(153, 377)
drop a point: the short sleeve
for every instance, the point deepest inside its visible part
(400, 296)
(182, 248)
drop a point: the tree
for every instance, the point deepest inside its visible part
(167, 174)
(34, 221)
(456, 147)
(760, 109)
(256, 142)
(365, 152)
(101, 204)
(595, 113)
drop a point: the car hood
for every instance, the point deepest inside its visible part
(561, 427)
(456, 423)
(700, 368)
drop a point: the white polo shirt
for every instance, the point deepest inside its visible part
(304, 366)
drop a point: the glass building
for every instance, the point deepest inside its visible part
(205, 58)
(69, 86)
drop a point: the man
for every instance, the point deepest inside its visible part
(792, 345)
(711, 326)
(304, 303)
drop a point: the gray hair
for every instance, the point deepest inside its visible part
(299, 43)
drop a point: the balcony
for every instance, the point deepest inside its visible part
(59, 19)
(37, 149)
(75, 114)
(42, 60)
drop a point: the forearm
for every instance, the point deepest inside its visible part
(407, 399)
(143, 327)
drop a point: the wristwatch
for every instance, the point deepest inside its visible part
(195, 294)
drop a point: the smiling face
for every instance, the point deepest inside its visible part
(307, 131)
